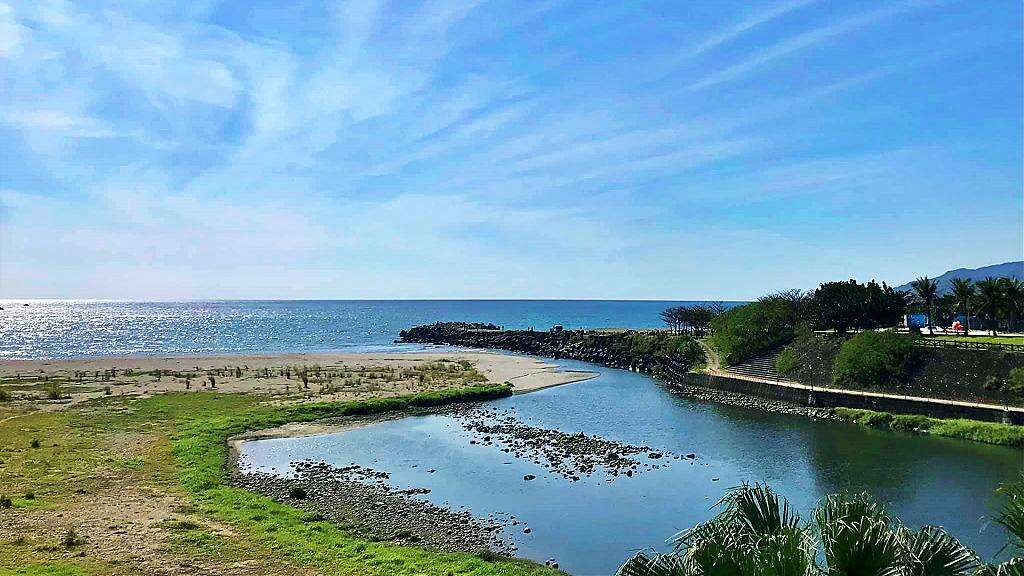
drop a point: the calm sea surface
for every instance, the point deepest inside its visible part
(592, 526)
(74, 328)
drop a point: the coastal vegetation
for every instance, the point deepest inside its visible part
(758, 533)
(874, 359)
(977, 431)
(993, 304)
(746, 331)
(777, 319)
(82, 483)
(695, 319)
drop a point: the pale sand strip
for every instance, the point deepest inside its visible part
(524, 373)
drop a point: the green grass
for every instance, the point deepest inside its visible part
(976, 430)
(190, 460)
(199, 449)
(44, 569)
(982, 339)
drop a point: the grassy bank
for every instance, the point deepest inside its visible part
(55, 464)
(988, 432)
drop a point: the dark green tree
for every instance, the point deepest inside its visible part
(990, 300)
(963, 295)
(927, 290)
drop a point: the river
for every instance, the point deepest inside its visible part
(593, 525)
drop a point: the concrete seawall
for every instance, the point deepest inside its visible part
(835, 398)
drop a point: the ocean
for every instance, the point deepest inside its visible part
(90, 328)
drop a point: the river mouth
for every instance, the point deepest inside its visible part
(637, 463)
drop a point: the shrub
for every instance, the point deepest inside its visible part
(787, 361)
(34, 443)
(5, 396)
(1015, 384)
(5, 502)
(30, 495)
(872, 359)
(746, 331)
(54, 390)
(297, 492)
(72, 539)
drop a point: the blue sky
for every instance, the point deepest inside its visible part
(474, 149)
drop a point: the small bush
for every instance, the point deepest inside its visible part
(34, 443)
(5, 502)
(297, 492)
(787, 362)
(72, 539)
(5, 396)
(30, 495)
(54, 390)
(911, 422)
(1015, 384)
(874, 359)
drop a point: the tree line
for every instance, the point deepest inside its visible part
(694, 319)
(998, 303)
(844, 306)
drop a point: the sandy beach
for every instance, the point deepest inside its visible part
(352, 375)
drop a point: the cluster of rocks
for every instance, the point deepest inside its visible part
(352, 472)
(376, 512)
(735, 399)
(570, 456)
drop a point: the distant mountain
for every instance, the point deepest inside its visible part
(1009, 269)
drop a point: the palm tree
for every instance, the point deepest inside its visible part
(926, 290)
(990, 299)
(963, 292)
(758, 534)
(1013, 300)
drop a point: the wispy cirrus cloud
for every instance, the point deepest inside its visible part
(829, 31)
(368, 145)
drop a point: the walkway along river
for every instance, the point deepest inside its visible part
(591, 517)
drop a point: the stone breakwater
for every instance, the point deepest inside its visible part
(650, 352)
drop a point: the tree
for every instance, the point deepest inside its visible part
(990, 299)
(696, 318)
(671, 316)
(1013, 300)
(797, 300)
(926, 290)
(963, 293)
(840, 305)
(843, 305)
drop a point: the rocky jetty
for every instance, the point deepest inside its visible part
(652, 352)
